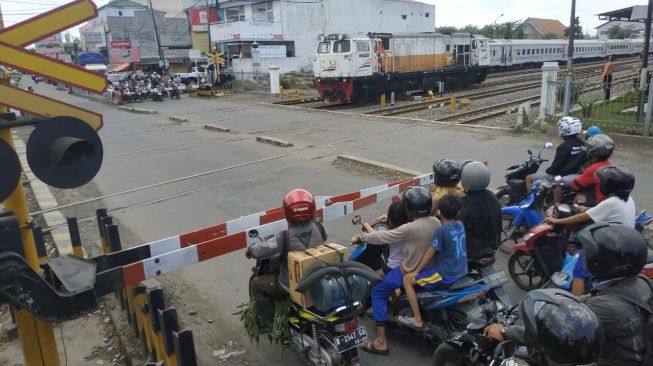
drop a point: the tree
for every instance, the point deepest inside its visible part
(470, 28)
(520, 33)
(446, 29)
(578, 30)
(550, 36)
(508, 29)
(488, 31)
(617, 32)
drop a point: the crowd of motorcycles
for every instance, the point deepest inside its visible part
(454, 317)
(141, 88)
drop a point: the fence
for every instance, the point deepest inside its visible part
(613, 106)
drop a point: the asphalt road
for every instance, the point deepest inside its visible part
(139, 152)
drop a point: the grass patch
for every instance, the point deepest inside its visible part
(610, 115)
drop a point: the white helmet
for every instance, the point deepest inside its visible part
(569, 126)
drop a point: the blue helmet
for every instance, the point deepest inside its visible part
(592, 131)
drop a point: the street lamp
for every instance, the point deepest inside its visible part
(495, 25)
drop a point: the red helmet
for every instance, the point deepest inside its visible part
(299, 205)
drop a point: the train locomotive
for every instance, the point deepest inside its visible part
(354, 69)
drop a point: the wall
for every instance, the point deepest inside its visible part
(286, 64)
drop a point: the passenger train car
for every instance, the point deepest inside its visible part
(350, 69)
(524, 52)
(359, 68)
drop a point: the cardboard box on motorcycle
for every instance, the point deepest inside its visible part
(299, 262)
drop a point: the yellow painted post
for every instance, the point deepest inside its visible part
(453, 105)
(281, 92)
(382, 101)
(36, 335)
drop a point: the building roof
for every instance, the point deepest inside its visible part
(635, 13)
(123, 4)
(545, 26)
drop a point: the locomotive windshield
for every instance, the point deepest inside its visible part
(343, 46)
(324, 47)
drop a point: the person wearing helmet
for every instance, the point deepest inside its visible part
(557, 327)
(623, 301)
(565, 163)
(446, 176)
(481, 211)
(303, 232)
(416, 237)
(599, 148)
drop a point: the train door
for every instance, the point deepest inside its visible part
(462, 51)
(363, 59)
(483, 52)
(503, 55)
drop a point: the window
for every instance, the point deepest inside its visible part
(120, 13)
(518, 52)
(362, 47)
(528, 52)
(427, 15)
(467, 48)
(447, 48)
(324, 47)
(235, 14)
(262, 12)
(343, 46)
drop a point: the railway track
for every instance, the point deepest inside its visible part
(299, 101)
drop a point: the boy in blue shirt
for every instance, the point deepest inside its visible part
(443, 264)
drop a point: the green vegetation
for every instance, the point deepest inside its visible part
(617, 32)
(609, 115)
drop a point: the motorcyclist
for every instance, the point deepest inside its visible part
(565, 163)
(599, 149)
(558, 328)
(615, 254)
(481, 212)
(303, 232)
(446, 176)
(416, 237)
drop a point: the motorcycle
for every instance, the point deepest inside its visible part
(155, 94)
(471, 347)
(328, 333)
(515, 188)
(563, 279)
(174, 92)
(445, 310)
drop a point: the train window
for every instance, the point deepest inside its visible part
(466, 48)
(518, 52)
(362, 46)
(324, 47)
(343, 46)
(447, 48)
(474, 44)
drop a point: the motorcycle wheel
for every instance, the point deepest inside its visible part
(522, 271)
(447, 355)
(504, 197)
(509, 234)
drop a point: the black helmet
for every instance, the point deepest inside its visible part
(446, 173)
(417, 202)
(561, 329)
(475, 176)
(612, 250)
(600, 146)
(616, 180)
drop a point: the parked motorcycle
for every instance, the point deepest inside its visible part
(445, 310)
(471, 347)
(328, 333)
(174, 92)
(515, 188)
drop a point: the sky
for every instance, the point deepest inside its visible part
(447, 12)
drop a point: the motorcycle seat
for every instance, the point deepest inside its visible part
(484, 261)
(463, 282)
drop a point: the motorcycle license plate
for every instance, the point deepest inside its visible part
(348, 341)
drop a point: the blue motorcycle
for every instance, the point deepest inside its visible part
(445, 310)
(528, 213)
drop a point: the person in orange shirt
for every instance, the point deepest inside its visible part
(607, 77)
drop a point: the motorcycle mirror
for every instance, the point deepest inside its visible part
(529, 152)
(252, 233)
(548, 145)
(356, 220)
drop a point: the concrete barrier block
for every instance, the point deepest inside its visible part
(378, 164)
(178, 119)
(273, 141)
(216, 128)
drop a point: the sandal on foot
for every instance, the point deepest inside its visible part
(371, 348)
(409, 323)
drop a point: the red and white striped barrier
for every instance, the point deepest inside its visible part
(170, 254)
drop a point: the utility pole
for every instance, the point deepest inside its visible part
(208, 23)
(570, 59)
(158, 41)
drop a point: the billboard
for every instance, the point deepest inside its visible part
(269, 51)
(247, 30)
(199, 19)
(125, 55)
(121, 43)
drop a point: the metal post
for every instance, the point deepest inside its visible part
(158, 41)
(100, 214)
(570, 59)
(75, 238)
(649, 113)
(106, 221)
(36, 335)
(40, 244)
(647, 40)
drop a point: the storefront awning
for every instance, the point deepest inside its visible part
(121, 67)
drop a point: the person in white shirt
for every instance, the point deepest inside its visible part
(616, 183)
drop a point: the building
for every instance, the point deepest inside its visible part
(124, 32)
(287, 32)
(539, 28)
(636, 28)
